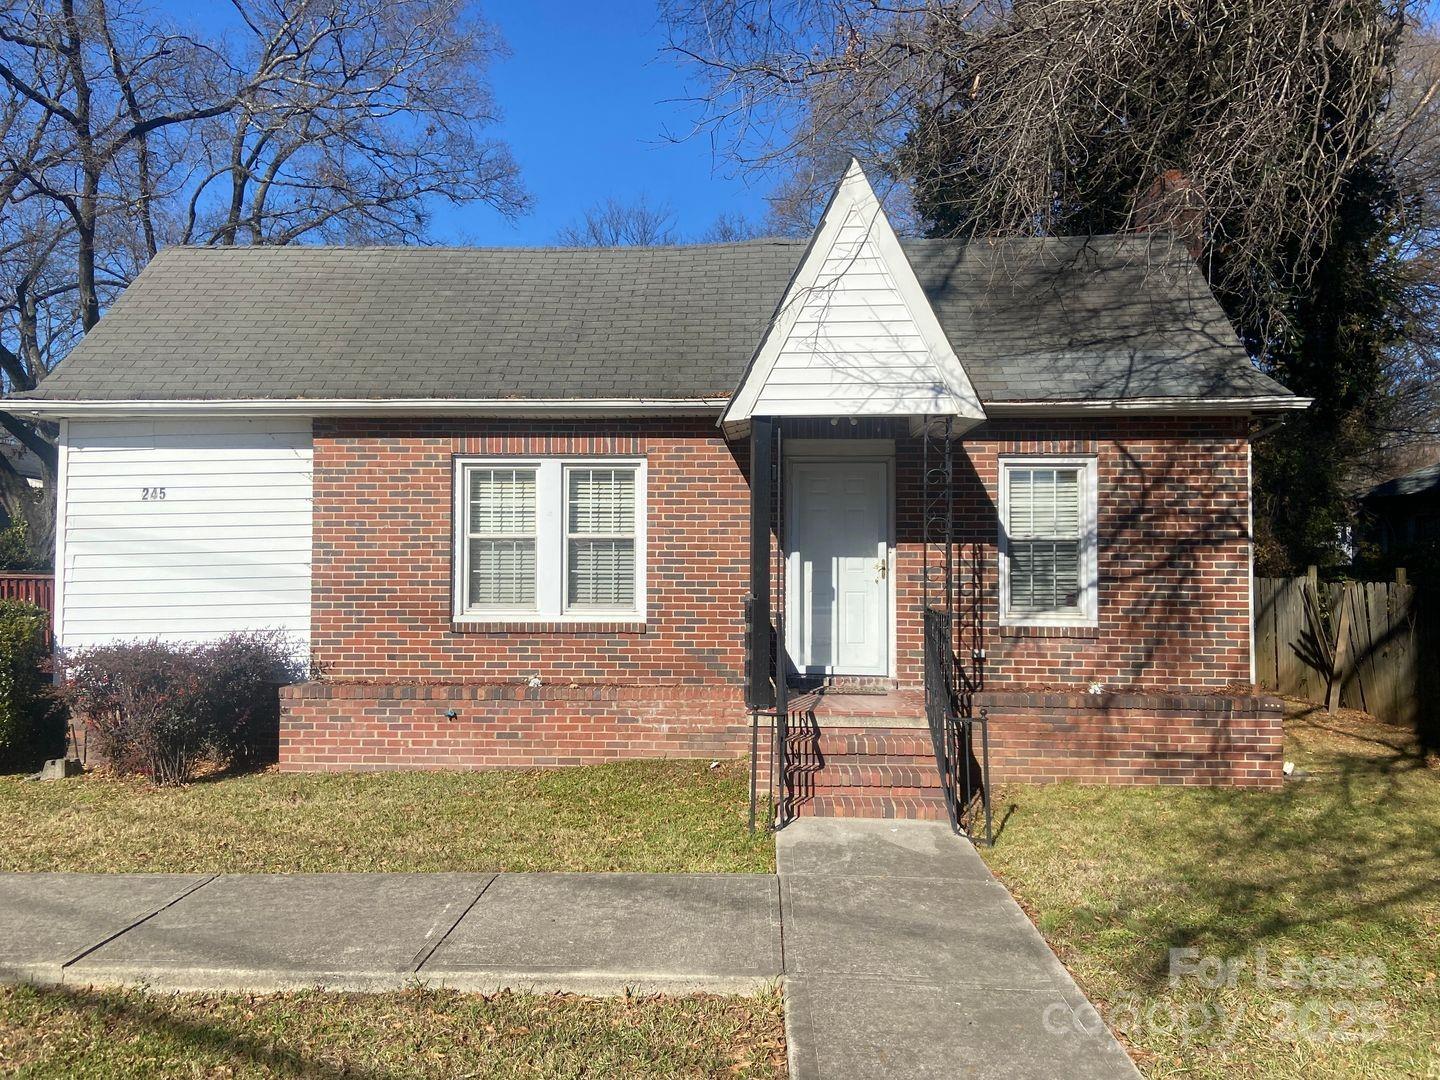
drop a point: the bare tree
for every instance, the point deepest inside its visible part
(614, 223)
(728, 228)
(1411, 140)
(316, 119)
(1288, 142)
(365, 109)
(1019, 111)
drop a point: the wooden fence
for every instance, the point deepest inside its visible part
(1373, 635)
(37, 589)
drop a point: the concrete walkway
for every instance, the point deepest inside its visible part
(900, 955)
(905, 957)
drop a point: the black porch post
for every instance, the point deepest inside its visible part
(758, 690)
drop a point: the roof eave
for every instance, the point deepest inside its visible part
(586, 408)
(1239, 406)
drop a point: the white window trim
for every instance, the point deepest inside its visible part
(550, 543)
(1088, 615)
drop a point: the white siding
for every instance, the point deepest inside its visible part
(855, 347)
(226, 549)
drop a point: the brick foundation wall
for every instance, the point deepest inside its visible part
(1134, 739)
(353, 726)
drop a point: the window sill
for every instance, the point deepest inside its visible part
(1048, 630)
(543, 626)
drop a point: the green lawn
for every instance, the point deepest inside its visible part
(417, 1033)
(653, 816)
(1345, 865)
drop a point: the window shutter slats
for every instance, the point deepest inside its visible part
(502, 501)
(502, 561)
(602, 501)
(602, 573)
(502, 573)
(600, 546)
(1045, 518)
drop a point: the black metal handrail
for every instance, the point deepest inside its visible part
(964, 773)
(767, 695)
(939, 704)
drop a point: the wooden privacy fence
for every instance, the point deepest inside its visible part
(37, 589)
(1359, 644)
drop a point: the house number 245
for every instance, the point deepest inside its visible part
(155, 494)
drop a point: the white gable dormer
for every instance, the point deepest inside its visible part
(854, 334)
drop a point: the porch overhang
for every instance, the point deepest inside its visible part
(854, 335)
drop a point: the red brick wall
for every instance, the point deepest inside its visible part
(381, 585)
(1173, 565)
(348, 726)
(1134, 739)
(1174, 558)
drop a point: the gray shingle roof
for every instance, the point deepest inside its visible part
(1031, 320)
(1422, 481)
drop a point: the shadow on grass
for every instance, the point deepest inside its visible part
(1344, 863)
(1324, 863)
(170, 1036)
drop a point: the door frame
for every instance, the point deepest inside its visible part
(820, 451)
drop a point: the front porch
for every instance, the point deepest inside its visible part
(852, 621)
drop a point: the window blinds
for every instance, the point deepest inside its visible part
(502, 538)
(600, 538)
(1044, 535)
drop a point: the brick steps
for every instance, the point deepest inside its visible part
(870, 772)
(884, 743)
(844, 773)
(874, 806)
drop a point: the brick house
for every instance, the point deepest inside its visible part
(829, 504)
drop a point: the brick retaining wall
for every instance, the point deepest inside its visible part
(1135, 738)
(362, 726)
(340, 726)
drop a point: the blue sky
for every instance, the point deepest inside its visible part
(588, 102)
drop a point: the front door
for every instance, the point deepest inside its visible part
(838, 611)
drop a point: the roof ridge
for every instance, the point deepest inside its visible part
(754, 242)
(768, 241)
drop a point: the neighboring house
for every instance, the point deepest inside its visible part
(25, 463)
(1406, 510)
(515, 500)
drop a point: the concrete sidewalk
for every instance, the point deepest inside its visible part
(899, 954)
(586, 933)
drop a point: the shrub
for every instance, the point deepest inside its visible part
(17, 554)
(160, 709)
(25, 705)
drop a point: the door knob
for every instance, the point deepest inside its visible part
(883, 569)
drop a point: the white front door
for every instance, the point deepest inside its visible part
(837, 619)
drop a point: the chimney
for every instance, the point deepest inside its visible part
(1171, 202)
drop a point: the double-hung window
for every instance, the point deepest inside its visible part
(1047, 541)
(549, 539)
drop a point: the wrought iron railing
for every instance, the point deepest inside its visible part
(767, 695)
(961, 743)
(940, 711)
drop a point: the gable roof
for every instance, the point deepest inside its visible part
(854, 334)
(1056, 320)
